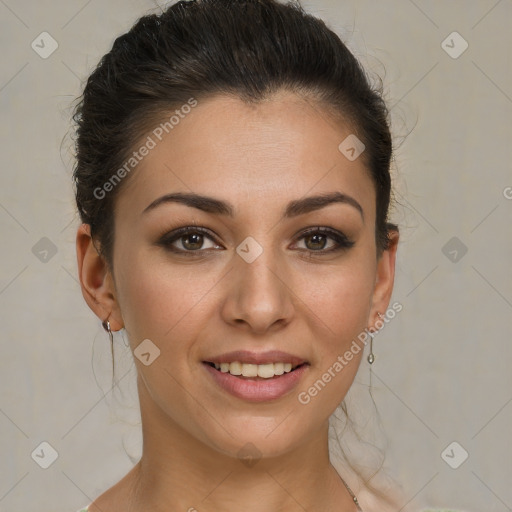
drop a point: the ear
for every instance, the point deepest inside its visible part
(96, 280)
(385, 277)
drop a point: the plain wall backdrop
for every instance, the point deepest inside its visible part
(442, 370)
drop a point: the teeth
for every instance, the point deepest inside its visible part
(265, 371)
(234, 368)
(279, 368)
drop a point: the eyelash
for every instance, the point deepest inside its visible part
(342, 242)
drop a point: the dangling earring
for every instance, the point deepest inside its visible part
(371, 356)
(106, 326)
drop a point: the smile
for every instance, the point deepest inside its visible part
(263, 371)
(253, 382)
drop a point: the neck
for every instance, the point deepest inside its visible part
(179, 472)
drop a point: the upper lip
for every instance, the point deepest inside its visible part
(245, 356)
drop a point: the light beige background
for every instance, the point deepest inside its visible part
(442, 372)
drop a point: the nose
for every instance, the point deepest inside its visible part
(259, 295)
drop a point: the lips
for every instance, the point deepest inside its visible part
(257, 377)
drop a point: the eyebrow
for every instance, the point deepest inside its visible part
(218, 207)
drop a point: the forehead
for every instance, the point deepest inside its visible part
(274, 151)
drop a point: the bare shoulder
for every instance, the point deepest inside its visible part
(371, 503)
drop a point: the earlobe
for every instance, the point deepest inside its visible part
(385, 277)
(96, 280)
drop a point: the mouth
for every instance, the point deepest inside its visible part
(251, 371)
(256, 376)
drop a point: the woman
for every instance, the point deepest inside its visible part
(233, 183)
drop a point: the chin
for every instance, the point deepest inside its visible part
(261, 438)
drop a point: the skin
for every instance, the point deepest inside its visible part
(258, 158)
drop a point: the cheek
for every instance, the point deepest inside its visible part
(340, 300)
(340, 297)
(350, 300)
(156, 299)
(341, 303)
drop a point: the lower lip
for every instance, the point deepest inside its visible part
(257, 390)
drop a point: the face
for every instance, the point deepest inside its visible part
(258, 268)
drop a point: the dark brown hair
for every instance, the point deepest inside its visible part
(195, 49)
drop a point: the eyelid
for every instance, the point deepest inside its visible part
(341, 240)
(172, 236)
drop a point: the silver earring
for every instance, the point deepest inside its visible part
(106, 326)
(371, 356)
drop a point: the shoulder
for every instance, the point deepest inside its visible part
(371, 503)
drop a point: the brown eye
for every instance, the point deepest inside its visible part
(315, 240)
(193, 241)
(188, 240)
